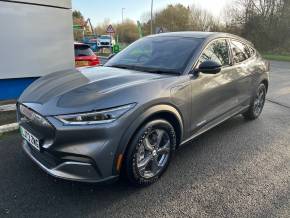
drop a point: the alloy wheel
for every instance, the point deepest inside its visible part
(259, 101)
(153, 154)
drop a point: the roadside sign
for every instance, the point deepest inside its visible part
(160, 30)
(116, 48)
(110, 29)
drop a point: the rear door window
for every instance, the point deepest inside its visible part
(217, 51)
(251, 51)
(240, 51)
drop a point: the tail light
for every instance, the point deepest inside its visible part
(95, 62)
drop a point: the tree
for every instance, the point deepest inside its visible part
(77, 14)
(102, 27)
(180, 18)
(172, 18)
(78, 19)
(127, 31)
(202, 20)
(264, 22)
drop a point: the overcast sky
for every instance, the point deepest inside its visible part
(99, 10)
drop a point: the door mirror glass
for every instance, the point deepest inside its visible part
(209, 67)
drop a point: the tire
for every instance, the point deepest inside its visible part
(146, 159)
(257, 103)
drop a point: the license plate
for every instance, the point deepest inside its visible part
(31, 139)
(82, 63)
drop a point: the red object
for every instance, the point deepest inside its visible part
(84, 56)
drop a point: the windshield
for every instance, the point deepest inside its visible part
(166, 54)
(105, 37)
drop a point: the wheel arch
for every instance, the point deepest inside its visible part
(163, 111)
(266, 83)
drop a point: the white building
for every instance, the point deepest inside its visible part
(36, 38)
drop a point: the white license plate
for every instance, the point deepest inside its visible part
(31, 139)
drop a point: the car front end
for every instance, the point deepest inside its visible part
(72, 122)
(79, 147)
(78, 124)
(105, 41)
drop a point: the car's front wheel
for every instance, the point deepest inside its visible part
(150, 152)
(257, 103)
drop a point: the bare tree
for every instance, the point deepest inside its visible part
(265, 22)
(202, 20)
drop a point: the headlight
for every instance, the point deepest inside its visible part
(98, 117)
(32, 116)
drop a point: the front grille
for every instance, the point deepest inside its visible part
(105, 43)
(36, 124)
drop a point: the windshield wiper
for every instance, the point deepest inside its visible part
(146, 69)
(162, 71)
(127, 67)
(122, 66)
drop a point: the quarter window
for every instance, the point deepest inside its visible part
(217, 51)
(252, 51)
(240, 51)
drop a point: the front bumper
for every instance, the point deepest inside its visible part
(79, 153)
(67, 169)
(105, 46)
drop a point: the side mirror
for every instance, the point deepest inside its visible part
(209, 67)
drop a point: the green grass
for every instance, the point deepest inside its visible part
(275, 57)
(6, 134)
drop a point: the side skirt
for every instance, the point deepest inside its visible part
(214, 123)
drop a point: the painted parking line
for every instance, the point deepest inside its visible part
(8, 128)
(7, 107)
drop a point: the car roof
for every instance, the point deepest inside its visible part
(201, 35)
(76, 44)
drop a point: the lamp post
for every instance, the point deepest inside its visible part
(151, 27)
(123, 14)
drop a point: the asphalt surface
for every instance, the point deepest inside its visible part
(238, 169)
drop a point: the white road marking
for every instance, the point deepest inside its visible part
(8, 107)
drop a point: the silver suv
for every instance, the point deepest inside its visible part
(129, 116)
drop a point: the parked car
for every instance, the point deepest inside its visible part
(84, 56)
(105, 41)
(148, 100)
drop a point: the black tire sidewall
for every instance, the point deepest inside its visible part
(130, 162)
(250, 114)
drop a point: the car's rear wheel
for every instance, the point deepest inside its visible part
(257, 104)
(150, 152)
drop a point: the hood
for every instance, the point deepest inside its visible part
(85, 90)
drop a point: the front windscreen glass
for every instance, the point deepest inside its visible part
(168, 54)
(105, 37)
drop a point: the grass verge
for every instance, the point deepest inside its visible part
(275, 57)
(6, 134)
